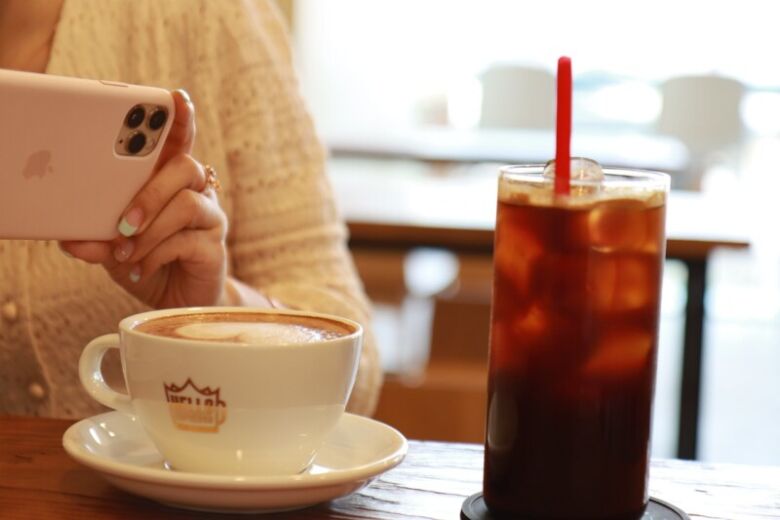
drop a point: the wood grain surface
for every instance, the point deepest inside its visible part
(39, 481)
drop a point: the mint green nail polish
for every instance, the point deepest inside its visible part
(131, 222)
(126, 229)
(135, 274)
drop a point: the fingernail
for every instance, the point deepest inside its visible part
(186, 96)
(135, 274)
(131, 222)
(124, 250)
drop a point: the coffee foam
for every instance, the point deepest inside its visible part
(253, 333)
(246, 328)
(590, 186)
(581, 197)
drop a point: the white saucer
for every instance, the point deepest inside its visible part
(116, 445)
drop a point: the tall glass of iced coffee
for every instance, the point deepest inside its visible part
(573, 342)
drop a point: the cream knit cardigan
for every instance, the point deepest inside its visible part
(285, 236)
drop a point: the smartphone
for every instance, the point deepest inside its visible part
(74, 152)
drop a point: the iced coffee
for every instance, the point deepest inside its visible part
(573, 343)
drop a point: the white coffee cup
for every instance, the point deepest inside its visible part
(233, 399)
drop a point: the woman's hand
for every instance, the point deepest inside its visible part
(172, 250)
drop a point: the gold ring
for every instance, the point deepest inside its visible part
(211, 179)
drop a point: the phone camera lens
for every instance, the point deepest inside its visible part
(157, 119)
(135, 117)
(136, 143)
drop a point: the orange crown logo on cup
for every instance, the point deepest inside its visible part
(194, 409)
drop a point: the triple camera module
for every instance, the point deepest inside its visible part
(141, 130)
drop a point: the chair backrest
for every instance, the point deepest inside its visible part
(703, 112)
(516, 96)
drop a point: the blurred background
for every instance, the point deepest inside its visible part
(443, 91)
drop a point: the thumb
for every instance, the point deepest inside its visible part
(182, 135)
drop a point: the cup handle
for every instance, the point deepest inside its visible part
(92, 377)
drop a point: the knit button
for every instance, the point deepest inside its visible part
(10, 311)
(36, 390)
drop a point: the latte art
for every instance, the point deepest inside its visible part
(254, 333)
(246, 328)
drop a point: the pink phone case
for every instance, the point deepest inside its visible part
(63, 172)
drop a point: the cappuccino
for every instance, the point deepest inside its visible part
(231, 390)
(247, 328)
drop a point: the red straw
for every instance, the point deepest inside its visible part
(563, 128)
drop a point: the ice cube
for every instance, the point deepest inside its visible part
(623, 282)
(620, 353)
(531, 324)
(621, 224)
(581, 169)
(517, 250)
(505, 354)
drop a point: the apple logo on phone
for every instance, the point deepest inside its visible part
(38, 164)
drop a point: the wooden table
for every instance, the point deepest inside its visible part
(39, 481)
(406, 204)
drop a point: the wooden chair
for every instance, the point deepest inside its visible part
(447, 400)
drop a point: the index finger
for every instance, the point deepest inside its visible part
(182, 135)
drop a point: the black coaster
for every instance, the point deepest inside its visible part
(474, 509)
